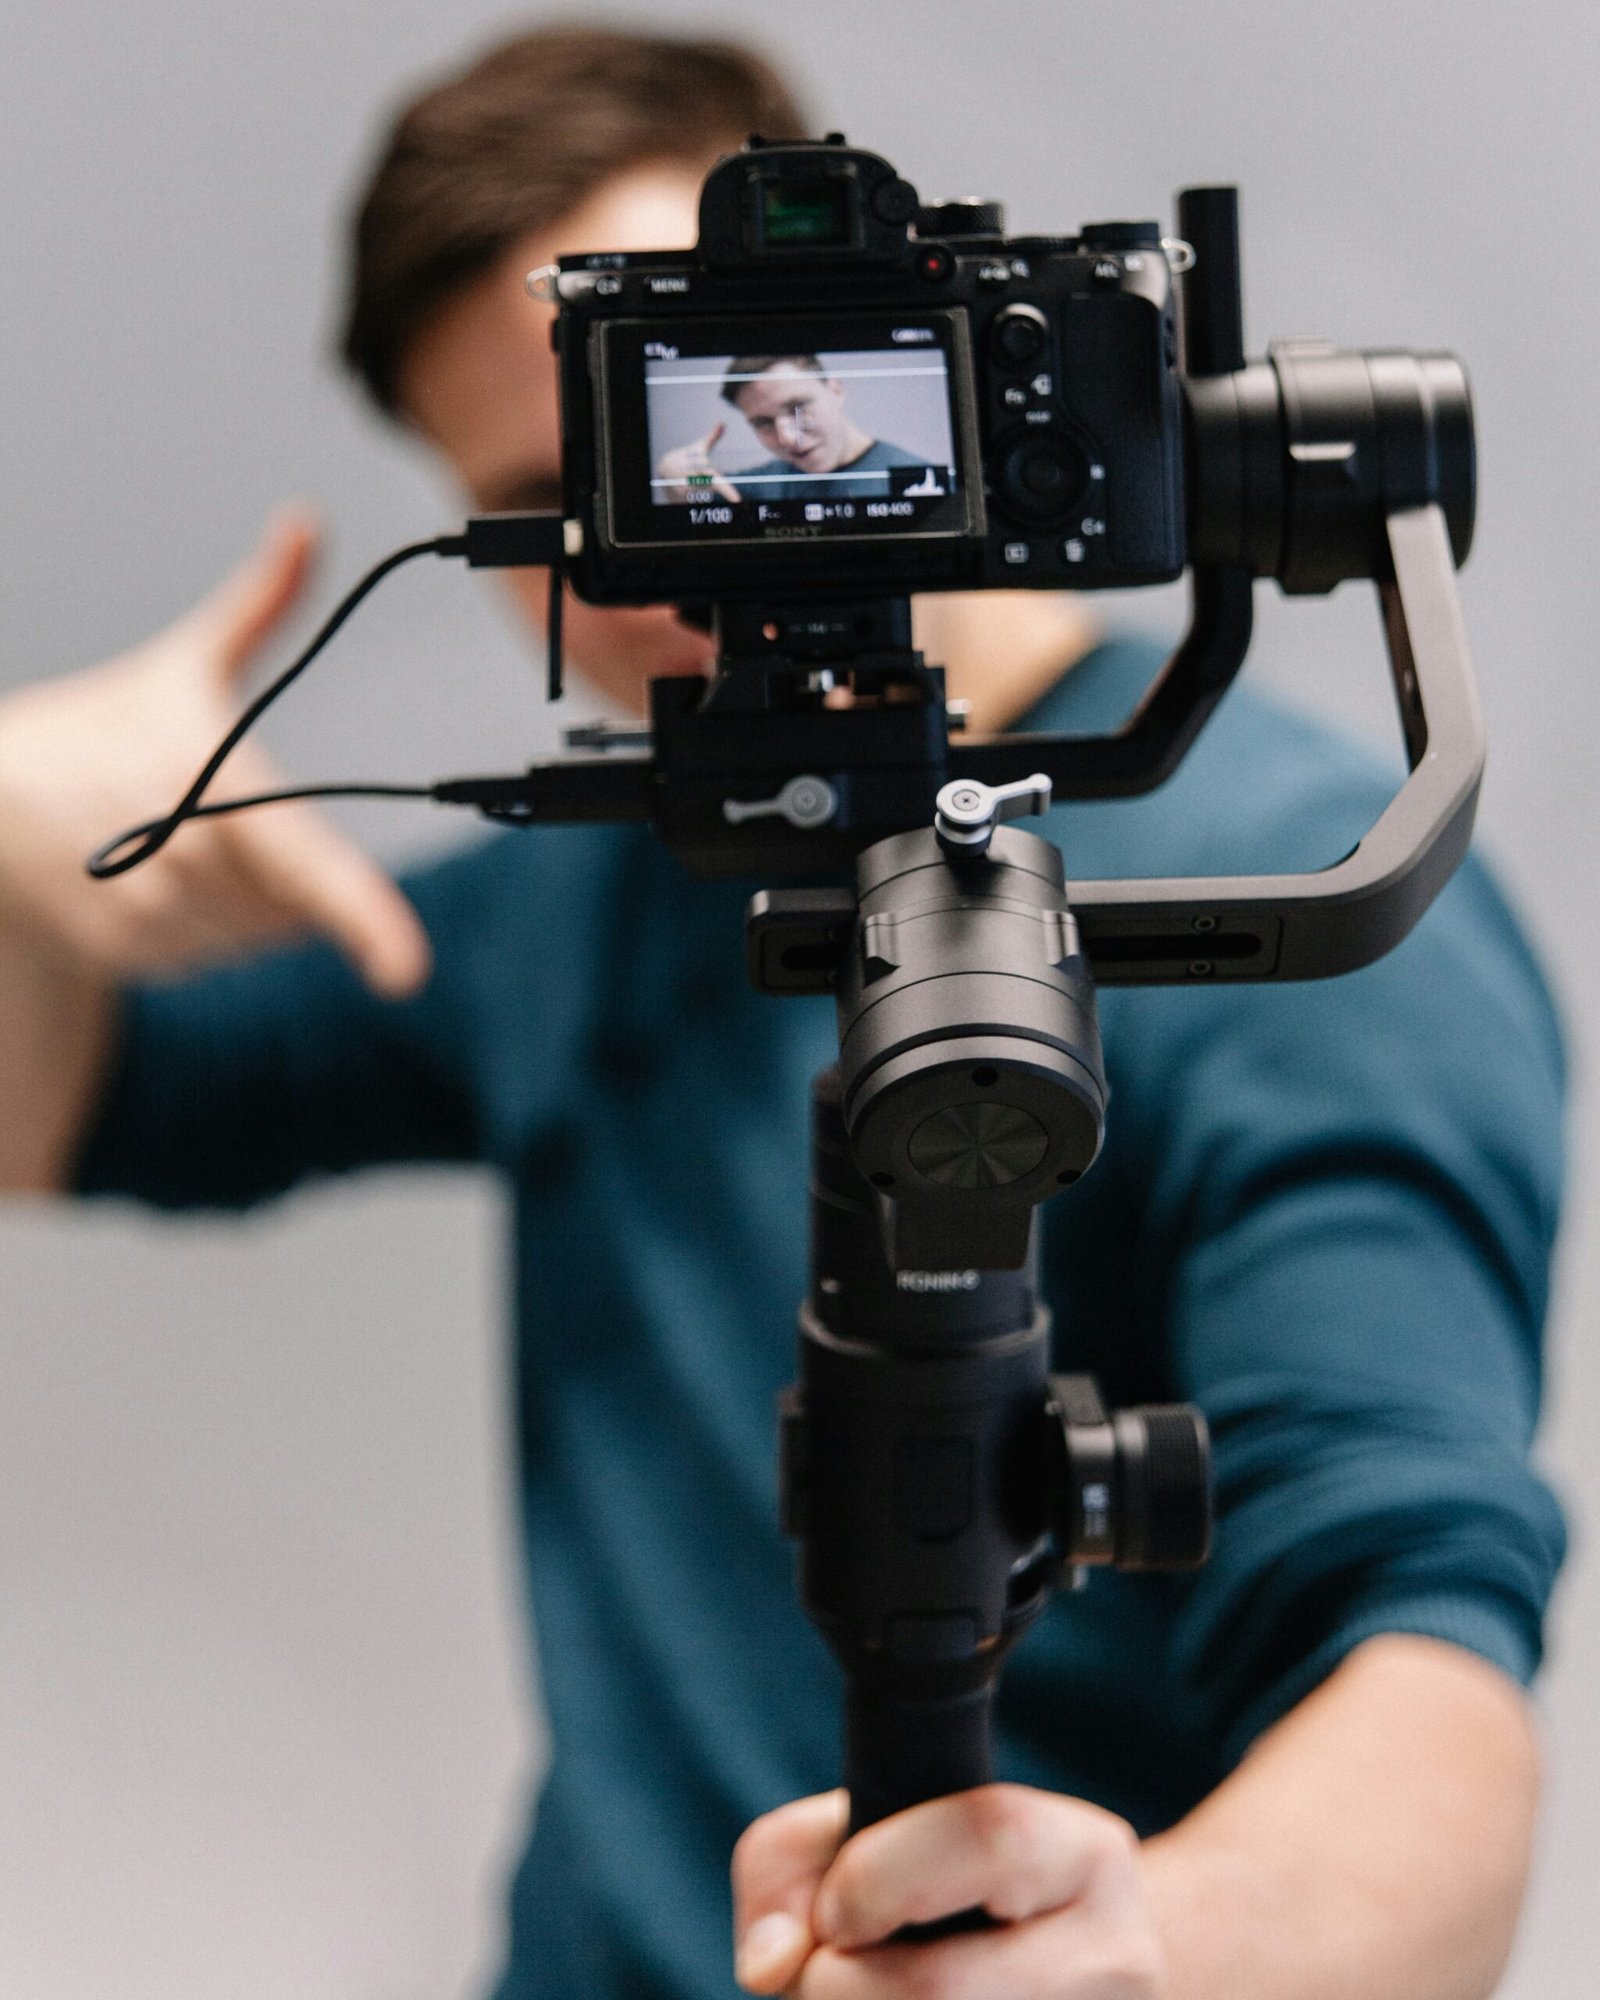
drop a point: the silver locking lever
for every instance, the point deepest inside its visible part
(968, 812)
(804, 802)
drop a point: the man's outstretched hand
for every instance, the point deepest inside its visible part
(814, 1913)
(691, 473)
(91, 752)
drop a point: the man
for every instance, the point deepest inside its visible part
(1324, 1212)
(797, 410)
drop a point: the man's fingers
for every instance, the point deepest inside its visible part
(776, 1868)
(1008, 1849)
(728, 491)
(712, 438)
(307, 867)
(1072, 1954)
(242, 612)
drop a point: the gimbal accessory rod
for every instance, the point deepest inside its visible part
(1212, 291)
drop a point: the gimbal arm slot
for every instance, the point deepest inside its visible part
(1331, 920)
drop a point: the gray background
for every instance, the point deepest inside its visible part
(260, 1715)
(912, 411)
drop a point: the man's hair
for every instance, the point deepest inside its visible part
(744, 365)
(517, 141)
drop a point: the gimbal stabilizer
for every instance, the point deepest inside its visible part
(937, 1476)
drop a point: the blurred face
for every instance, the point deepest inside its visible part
(480, 384)
(798, 415)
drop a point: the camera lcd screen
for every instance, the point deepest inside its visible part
(769, 431)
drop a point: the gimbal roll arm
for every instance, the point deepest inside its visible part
(1312, 926)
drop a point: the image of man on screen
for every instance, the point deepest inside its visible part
(797, 410)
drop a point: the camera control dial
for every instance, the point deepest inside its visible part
(1018, 336)
(1121, 236)
(970, 216)
(1040, 475)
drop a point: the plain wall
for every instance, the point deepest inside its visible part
(262, 1720)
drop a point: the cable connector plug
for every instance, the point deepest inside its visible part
(513, 541)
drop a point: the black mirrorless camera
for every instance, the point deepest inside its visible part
(1018, 398)
(841, 397)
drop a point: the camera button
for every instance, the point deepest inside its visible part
(935, 264)
(1041, 474)
(1017, 553)
(1019, 336)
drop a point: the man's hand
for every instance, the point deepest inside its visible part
(814, 1913)
(691, 472)
(87, 754)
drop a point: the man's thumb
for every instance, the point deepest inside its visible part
(242, 612)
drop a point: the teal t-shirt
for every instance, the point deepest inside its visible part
(1324, 1212)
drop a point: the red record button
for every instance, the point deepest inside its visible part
(935, 263)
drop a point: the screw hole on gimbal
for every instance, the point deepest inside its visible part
(985, 1076)
(881, 1180)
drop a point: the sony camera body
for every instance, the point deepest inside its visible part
(841, 394)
